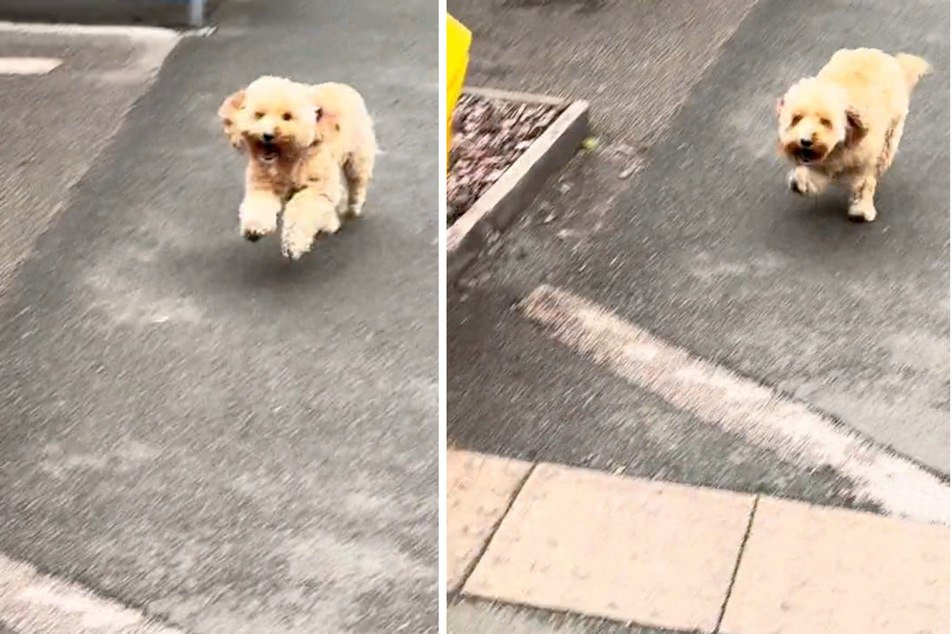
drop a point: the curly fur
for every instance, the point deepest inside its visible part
(844, 124)
(311, 152)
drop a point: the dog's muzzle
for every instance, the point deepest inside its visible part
(806, 152)
(266, 150)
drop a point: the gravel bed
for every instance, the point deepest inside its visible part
(488, 136)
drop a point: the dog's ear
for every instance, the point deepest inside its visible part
(326, 118)
(779, 106)
(231, 104)
(227, 112)
(855, 129)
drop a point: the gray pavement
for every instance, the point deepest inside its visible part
(703, 245)
(192, 426)
(56, 125)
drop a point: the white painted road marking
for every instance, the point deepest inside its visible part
(131, 32)
(32, 603)
(102, 30)
(28, 65)
(720, 397)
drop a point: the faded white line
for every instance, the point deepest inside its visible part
(32, 603)
(28, 65)
(720, 397)
(133, 32)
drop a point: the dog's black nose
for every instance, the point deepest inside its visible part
(805, 142)
(267, 137)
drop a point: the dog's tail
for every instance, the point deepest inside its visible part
(913, 68)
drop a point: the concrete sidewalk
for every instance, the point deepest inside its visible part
(687, 558)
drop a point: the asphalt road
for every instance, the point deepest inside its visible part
(704, 246)
(86, 97)
(191, 425)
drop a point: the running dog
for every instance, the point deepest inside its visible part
(844, 124)
(311, 151)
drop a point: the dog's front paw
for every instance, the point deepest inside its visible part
(329, 223)
(296, 241)
(257, 219)
(254, 231)
(802, 183)
(862, 212)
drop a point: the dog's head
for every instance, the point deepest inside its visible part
(815, 119)
(273, 116)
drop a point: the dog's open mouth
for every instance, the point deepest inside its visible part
(804, 155)
(807, 155)
(267, 152)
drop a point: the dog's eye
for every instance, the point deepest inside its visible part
(287, 116)
(796, 119)
(825, 123)
(258, 115)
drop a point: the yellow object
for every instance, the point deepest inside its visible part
(458, 39)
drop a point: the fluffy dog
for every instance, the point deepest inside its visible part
(845, 123)
(310, 149)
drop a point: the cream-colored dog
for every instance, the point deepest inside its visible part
(311, 150)
(845, 123)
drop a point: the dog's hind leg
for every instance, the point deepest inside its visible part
(890, 147)
(358, 170)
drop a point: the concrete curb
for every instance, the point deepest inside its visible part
(501, 204)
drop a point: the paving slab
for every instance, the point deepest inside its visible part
(806, 569)
(480, 490)
(584, 551)
(629, 550)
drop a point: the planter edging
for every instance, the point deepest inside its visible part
(503, 202)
